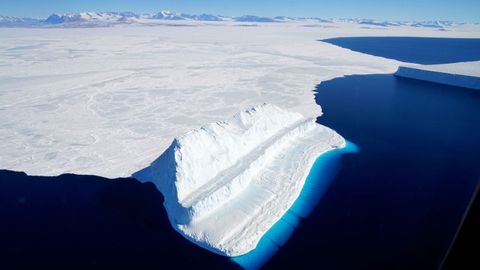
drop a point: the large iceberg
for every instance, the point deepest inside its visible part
(227, 183)
(462, 74)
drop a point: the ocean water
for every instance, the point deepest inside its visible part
(398, 202)
(90, 222)
(427, 51)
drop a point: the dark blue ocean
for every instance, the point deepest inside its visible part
(393, 199)
(425, 50)
(398, 202)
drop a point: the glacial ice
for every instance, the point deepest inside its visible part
(228, 182)
(463, 74)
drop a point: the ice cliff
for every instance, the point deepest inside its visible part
(228, 182)
(463, 74)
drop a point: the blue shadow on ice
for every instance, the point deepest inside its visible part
(318, 180)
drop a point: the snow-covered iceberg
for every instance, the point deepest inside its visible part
(463, 74)
(227, 183)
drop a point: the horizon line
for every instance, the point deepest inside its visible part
(234, 16)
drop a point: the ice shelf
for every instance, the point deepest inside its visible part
(463, 74)
(227, 183)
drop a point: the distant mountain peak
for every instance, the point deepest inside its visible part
(167, 15)
(253, 18)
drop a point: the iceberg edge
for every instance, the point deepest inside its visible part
(463, 74)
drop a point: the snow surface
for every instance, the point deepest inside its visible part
(227, 183)
(463, 74)
(108, 101)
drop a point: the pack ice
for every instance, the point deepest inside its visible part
(228, 182)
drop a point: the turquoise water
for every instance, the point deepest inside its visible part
(322, 173)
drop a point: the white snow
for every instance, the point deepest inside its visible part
(463, 74)
(108, 101)
(227, 183)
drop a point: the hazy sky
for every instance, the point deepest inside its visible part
(458, 10)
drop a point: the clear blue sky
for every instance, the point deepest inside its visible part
(458, 10)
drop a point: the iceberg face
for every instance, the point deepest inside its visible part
(227, 183)
(462, 74)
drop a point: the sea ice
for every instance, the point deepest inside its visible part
(227, 183)
(107, 100)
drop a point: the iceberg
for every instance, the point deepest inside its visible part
(228, 182)
(462, 74)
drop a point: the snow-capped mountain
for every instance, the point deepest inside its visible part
(64, 18)
(206, 17)
(377, 23)
(433, 24)
(110, 18)
(94, 19)
(167, 15)
(8, 21)
(252, 18)
(428, 24)
(89, 17)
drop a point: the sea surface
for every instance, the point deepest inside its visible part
(393, 199)
(417, 50)
(398, 202)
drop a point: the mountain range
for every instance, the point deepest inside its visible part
(94, 19)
